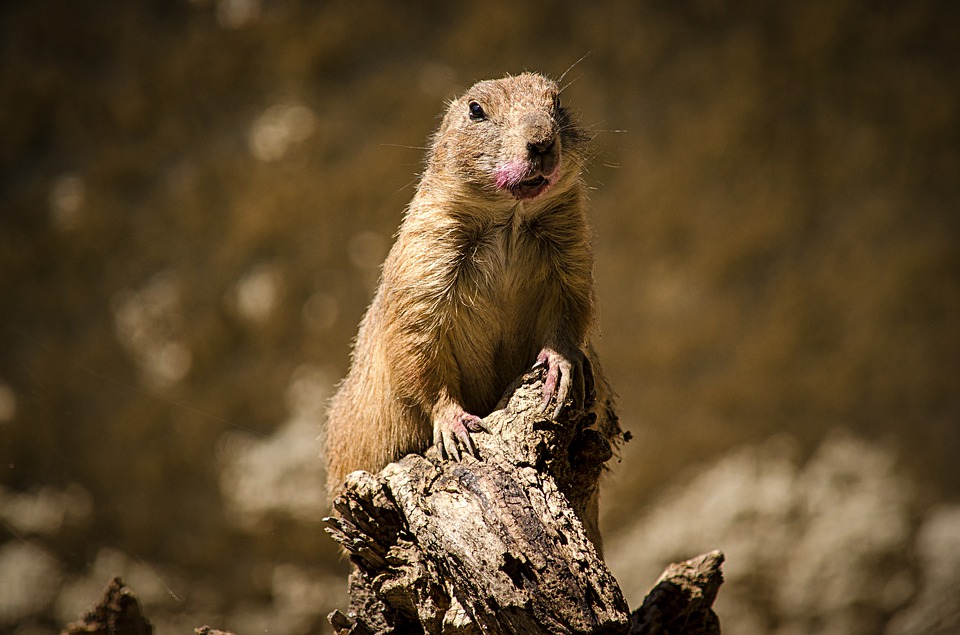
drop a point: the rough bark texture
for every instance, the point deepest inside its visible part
(682, 599)
(494, 545)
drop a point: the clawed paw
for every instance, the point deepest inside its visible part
(452, 433)
(562, 376)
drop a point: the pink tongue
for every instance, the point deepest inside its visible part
(511, 174)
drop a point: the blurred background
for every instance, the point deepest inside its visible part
(196, 197)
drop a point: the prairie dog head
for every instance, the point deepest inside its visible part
(509, 139)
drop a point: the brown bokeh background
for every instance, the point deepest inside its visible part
(196, 197)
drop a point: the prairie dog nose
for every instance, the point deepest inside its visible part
(539, 133)
(538, 148)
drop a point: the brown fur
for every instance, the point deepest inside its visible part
(481, 280)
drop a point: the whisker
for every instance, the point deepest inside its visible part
(406, 147)
(570, 68)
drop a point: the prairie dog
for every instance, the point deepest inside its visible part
(491, 273)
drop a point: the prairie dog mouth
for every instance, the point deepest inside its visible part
(534, 181)
(530, 187)
(523, 182)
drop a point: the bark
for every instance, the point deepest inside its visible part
(495, 545)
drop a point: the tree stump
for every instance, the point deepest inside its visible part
(496, 545)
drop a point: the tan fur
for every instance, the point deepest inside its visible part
(478, 283)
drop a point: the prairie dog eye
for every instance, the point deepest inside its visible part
(476, 111)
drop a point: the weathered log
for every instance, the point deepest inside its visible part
(495, 545)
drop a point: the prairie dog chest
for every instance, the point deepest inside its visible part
(507, 302)
(516, 268)
(503, 287)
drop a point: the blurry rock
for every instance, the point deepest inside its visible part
(281, 474)
(45, 510)
(936, 610)
(29, 579)
(819, 547)
(149, 323)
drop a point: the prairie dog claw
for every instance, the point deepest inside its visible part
(561, 376)
(451, 432)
